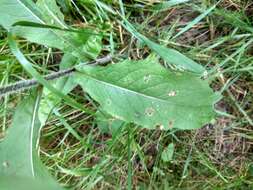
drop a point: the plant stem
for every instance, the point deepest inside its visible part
(26, 84)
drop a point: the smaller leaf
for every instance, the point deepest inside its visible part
(48, 26)
(51, 13)
(168, 152)
(171, 56)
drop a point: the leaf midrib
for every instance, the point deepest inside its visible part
(32, 131)
(140, 94)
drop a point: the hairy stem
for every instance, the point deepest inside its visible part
(26, 84)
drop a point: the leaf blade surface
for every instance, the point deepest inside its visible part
(147, 94)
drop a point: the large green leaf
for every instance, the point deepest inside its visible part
(147, 94)
(171, 56)
(26, 183)
(19, 150)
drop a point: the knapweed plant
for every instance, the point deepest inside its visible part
(142, 92)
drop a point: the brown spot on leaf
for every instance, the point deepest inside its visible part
(108, 101)
(137, 114)
(170, 125)
(149, 111)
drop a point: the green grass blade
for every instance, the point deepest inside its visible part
(195, 21)
(168, 4)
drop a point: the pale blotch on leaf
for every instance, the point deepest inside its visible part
(147, 78)
(125, 80)
(149, 111)
(108, 102)
(5, 164)
(172, 93)
(118, 117)
(205, 74)
(161, 127)
(137, 114)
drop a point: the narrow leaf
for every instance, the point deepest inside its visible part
(170, 55)
(147, 94)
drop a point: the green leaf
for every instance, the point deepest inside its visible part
(65, 6)
(170, 55)
(51, 12)
(147, 94)
(168, 152)
(19, 150)
(26, 10)
(45, 12)
(22, 9)
(25, 183)
(234, 18)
